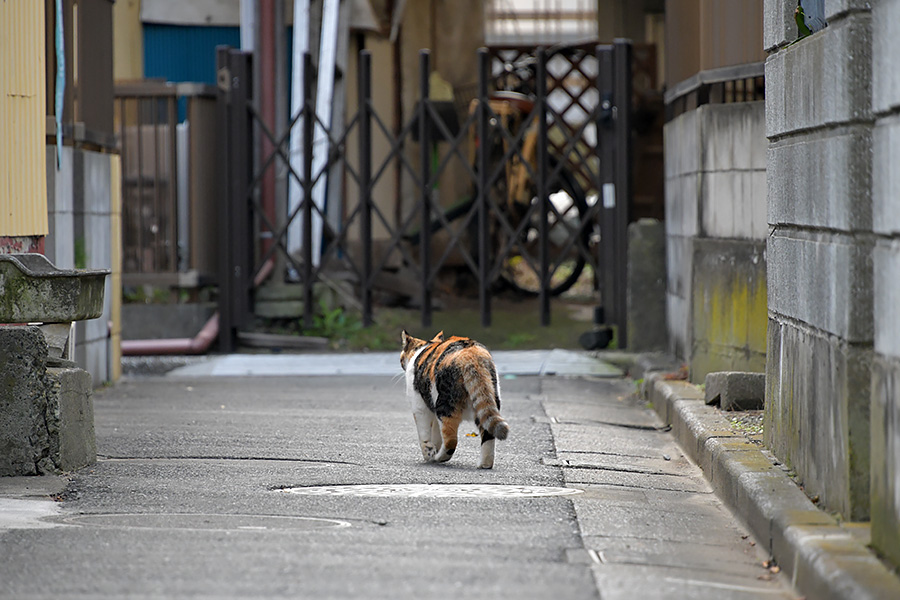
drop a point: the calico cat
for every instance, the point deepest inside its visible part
(446, 381)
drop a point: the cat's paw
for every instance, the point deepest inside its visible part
(428, 451)
(444, 455)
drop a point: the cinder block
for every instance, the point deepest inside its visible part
(838, 9)
(887, 298)
(733, 204)
(885, 49)
(71, 397)
(822, 179)
(822, 80)
(779, 27)
(678, 324)
(96, 183)
(885, 457)
(681, 139)
(682, 204)
(679, 265)
(886, 175)
(736, 390)
(823, 280)
(733, 136)
(728, 306)
(818, 392)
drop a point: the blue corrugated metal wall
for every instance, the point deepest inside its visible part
(185, 53)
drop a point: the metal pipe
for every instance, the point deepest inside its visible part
(199, 344)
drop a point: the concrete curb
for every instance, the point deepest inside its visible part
(822, 559)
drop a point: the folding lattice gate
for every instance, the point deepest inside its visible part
(547, 167)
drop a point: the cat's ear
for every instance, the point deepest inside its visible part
(404, 337)
(439, 337)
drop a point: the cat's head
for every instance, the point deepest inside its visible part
(411, 344)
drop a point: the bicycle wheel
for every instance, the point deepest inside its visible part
(520, 268)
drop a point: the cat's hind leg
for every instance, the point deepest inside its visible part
(449, 432)
(487, 450)
(426, 422)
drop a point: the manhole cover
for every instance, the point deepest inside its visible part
(205, 522)
(434, 490)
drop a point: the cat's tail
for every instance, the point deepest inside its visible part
(485, 402)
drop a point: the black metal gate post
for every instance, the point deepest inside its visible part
(234, 89)
(484, 259)
(425, 158)
(543, 158)
(622, 102)
(614, 129)
(365, 180)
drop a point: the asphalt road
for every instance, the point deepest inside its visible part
(314, 487)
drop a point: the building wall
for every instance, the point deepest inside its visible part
(715, 237)
(819, 122)
(885, 407)
(23, 204)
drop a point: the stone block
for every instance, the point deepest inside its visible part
(682, 139)
(24, 435)
(817, 414)
(886, 175)
(837, 9)
(682, 204)
(646, 293)
(779, 27)
(824, 79)
(72, 416)
(885, 458)
(734, 136)
(46, 413)
(887, 297)
(679, 264)
(736, 390)
(822, 179)
(733, 204)
(823, 280)
(97, 183)
(728, 306)
(678, 323)
(885, 49)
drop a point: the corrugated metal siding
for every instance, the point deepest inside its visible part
(185, 53)
(23, 170)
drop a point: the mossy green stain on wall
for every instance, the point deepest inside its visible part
(729, 307)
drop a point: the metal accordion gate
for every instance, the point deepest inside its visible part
(547, 169)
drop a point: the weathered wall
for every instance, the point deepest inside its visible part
(46, 412)
(715, 237)
(84, 210)
(885, 408)
(820, 250)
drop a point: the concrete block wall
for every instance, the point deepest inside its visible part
(83, 208)
(819, 123)
(885, 407)
(715, 237)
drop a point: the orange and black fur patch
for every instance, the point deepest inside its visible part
(448, 380)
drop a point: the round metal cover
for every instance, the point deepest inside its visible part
(206, 522)
(434, 490)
